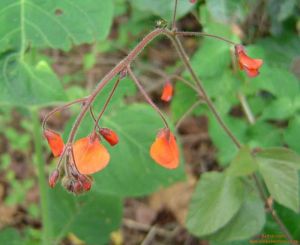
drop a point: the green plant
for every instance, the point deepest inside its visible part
(220, 196)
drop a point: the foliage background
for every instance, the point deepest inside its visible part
(53, 52)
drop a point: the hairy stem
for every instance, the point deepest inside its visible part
(139, 85)
(203, 34)
(106, 103)
(188, 112)
(264, 197)
(116, 70)
(43, 188)
(60, 108)
(174, 14)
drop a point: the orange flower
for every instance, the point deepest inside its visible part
(251, 66)
(167, 92)
(110, 136)
(90, 155)
(55, 142)
(165, 150)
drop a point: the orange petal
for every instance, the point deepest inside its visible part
(167, 92)
(165, 150)
(251, 72)
(110, 136)
(55, 142)
(90, 155)
(250, 65)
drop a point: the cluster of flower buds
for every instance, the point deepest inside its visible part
(75, 182)
(86, 157)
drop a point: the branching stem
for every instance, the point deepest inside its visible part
(183, 56)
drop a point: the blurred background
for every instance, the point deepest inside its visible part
(55, 52)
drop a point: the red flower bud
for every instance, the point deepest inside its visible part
(193, 1)
(109, 135)
(251, 66)
(78, 187)
(55, 142)
(87, 185)
(53, 178)
(167, 92)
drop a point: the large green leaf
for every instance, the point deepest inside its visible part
(26, 85)
(216, 200)
(162, 8)
(279, 168)
(248, 222)
(91, 217)
(41, 24)
(137, 126)
(55, 24)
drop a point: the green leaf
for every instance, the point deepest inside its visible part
(225, 147)
(243, 164)
(281, 155)
(184, 98)
(280, 109)
(212, 58)
(279, 168)
(10, 236)
(162, 8)
(55, 24)
(248, 222)
(292, 134)
(136, 126)
(91, 217)
(277, 81)
(262, 134)
(216, 200)
(26, 85)
(41, 24)
(225, 11)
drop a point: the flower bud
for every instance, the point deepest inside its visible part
(109, 135)
(53, 178)
(78, 187)
(167, 93)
